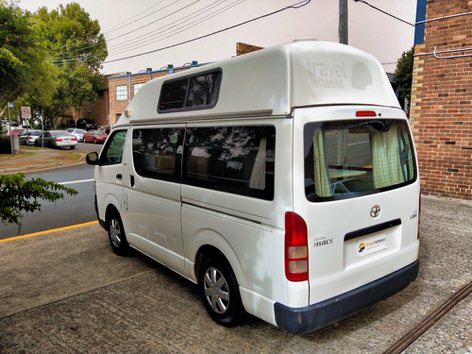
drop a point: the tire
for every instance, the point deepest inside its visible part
(219, 291)
(116, 235)
(72, 147)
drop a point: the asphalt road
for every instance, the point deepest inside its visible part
(67, 211)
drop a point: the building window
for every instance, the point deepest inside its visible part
(136, 87)
(121, 92)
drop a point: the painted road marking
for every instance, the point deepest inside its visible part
(45, 232)
(78, 181)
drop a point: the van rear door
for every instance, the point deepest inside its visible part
(356, 187)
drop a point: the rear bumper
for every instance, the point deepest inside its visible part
(326, 312)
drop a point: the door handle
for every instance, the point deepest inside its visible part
(119, 176)
(131, 180)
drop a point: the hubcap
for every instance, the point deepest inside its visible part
(216, 290)
(115, 233)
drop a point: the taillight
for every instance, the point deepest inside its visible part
(57, 139)
(73, 138)
(296, 247)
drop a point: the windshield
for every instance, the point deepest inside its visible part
(345, 159)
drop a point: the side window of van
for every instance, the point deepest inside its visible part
(113, 151)
(237, 159)
(157, 152)
(191, 92)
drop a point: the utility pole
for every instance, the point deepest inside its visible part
(10, 105)
(343, 27)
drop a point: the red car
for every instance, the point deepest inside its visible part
(95, 136)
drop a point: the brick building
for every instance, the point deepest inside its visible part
(441, 107)
(96, 111)
(123, 87)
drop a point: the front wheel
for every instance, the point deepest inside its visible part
(220, 291)
(116, 235)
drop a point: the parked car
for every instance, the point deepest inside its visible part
(106, 129)
(29, 137)
(15, 131)
(95, 136)
(85, 123)
(57, 139)
(78, 133)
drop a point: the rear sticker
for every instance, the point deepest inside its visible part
(371, 245)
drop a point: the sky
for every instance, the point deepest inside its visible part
(138, 26)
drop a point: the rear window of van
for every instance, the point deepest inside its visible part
(345, 159)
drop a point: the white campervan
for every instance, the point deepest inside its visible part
(283, 182)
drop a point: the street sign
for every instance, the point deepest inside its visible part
(26, 112)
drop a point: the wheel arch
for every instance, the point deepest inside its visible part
(208, 250)
(108, 212)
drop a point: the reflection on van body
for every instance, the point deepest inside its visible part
(282, 182)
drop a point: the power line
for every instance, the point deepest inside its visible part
(177, 24)
(172, 30)
(172, 24)
(152, 22)
(297, 5)
(131, 19)
(385, 12)
(70, 55)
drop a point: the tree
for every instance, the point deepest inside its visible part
(26, 68)
(20, 195)
(15, 35)
(403, 75)
(78, 49)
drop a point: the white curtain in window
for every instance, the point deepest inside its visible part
(320, 168)
(257, 179)
(386, 164)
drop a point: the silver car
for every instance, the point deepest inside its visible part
(78, 133)
(29, 137)
(57, 139)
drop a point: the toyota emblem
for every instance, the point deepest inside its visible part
(375, 211)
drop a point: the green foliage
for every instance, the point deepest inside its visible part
(78, 49)
(19, 195)
(15, 35)
(404, 73)
(49, 60)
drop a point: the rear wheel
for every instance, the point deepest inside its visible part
(220, 291)
(116, 235)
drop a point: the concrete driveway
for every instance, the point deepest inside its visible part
(66, 291)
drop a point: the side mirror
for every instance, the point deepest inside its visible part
(92, 158)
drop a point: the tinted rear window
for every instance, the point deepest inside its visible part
(345, 159)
